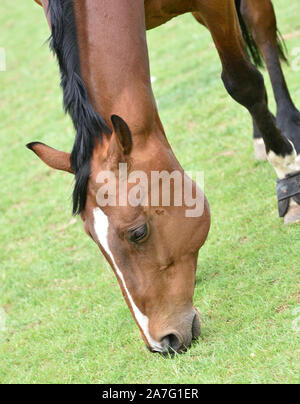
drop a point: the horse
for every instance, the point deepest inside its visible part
(152, 248)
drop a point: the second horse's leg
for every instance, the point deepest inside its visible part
(259, 146)
(260, 18)
(246, 85)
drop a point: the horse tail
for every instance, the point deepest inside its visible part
(89, 125)
(282, 48)
(251, 46)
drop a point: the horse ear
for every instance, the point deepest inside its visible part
(123, 133)
(52, 157)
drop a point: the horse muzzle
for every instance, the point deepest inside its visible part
(179, 341)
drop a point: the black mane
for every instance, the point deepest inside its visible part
(88, 123)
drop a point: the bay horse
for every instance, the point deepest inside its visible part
(103, 58)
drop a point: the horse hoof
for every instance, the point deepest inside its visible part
(293, 214)
(260, 150)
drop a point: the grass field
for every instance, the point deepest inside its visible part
(62, 316)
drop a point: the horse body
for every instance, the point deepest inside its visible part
(260, 19)
(152, 248)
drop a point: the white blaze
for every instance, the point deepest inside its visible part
(101, 225)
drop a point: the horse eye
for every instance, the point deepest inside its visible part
(139, 235)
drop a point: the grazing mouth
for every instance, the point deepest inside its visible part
(173, 343)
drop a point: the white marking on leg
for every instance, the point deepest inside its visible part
(101, 225)
(260, 150)
(284, 165)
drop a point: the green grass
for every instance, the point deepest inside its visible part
(66, 319)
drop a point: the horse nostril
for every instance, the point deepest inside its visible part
(171, 343)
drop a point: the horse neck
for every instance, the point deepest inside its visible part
(114, 62)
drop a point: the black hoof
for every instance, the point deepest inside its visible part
(288, 193)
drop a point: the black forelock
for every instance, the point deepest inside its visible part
(88, 123)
